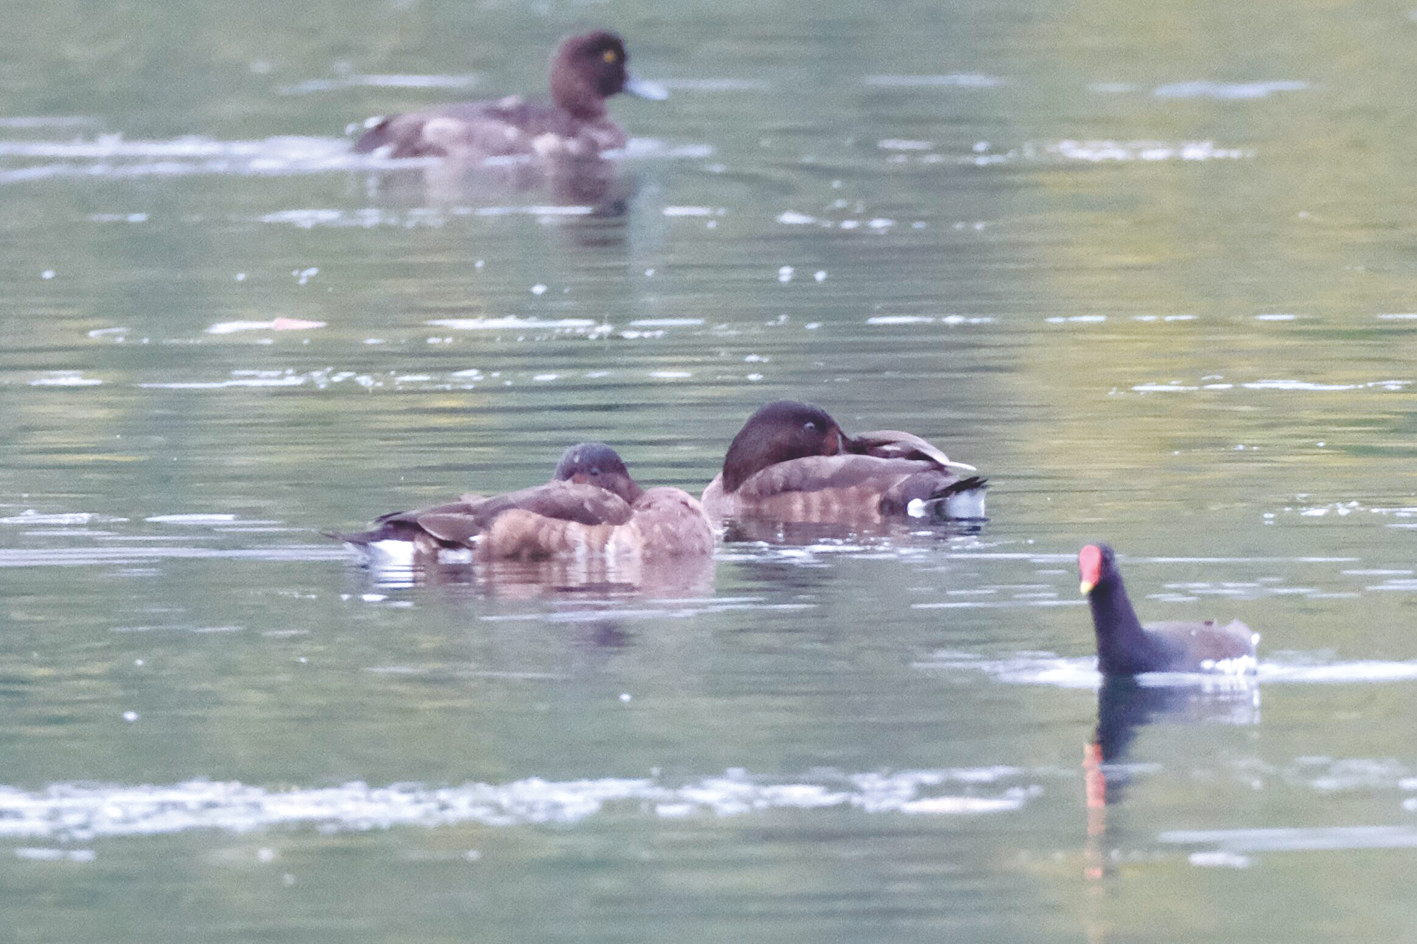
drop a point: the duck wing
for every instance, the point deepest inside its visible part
(558, 500)
(403, 525)
(844, 489)
(662, 523)
(819, 473)
(671, 523)
(895, 444)
(478, 128)
(459, 523)
(472, 129)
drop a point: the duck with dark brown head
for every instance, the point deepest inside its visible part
(585, 71)
(792, 462)
(590, 506)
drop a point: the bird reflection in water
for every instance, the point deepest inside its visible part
(1125, 704)
(806, 533)
(596, 577)
(589, 197)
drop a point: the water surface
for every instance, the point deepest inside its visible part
(1148, 270)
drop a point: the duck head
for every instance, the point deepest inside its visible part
(589, 68)
(781, 431)
(597, 464)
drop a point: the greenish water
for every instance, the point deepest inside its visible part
(1149, 269)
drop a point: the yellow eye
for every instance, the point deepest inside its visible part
(610, 55)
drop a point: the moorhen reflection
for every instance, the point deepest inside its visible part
(1125, 704)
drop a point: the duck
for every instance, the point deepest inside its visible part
(792, 462)
(590, 506)
(585, 71)
(1125, 647)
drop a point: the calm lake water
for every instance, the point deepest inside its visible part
(1149, 268)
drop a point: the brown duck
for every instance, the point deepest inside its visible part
(792, 462)
(585, 71)
(591, 506)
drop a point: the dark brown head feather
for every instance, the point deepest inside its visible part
(778, 432)
(586, 70)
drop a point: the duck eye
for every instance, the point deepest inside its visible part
(609, 55)
(809, 425)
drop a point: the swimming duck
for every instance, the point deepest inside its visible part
(585, 71)
(1125, 647)
(590, 506)
(792, 462)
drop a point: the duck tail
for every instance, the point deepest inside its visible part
(357, 538)
(961, 499)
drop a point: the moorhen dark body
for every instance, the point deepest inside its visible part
(1125, 647)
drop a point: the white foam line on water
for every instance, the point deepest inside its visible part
(290, 380)
(1046, 668)
(32, 517)
(1312, 386)
(310, 86)
(697, 211)
(1106, 151)
(49, 121)
(76, 811)
(513, 322)
(113, 157)
(539, 210)
(1303, 386)
(716, 85)
(89, 556)
(1368, 670)
(1232, 91)
(1018, 601)
(1297, 839)
(951, 80)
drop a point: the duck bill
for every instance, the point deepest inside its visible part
(643, 88)
(1086, 587)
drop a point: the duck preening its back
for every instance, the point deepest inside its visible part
(792, 462)
(591, 506)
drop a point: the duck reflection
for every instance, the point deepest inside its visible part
(595, 578)
(808, 533)
(1126, 704)
(593, 196)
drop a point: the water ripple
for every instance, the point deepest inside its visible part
(73, 811)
